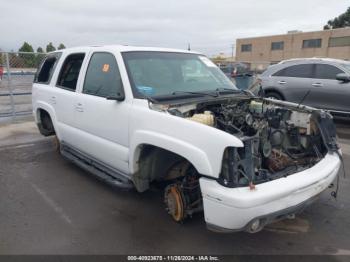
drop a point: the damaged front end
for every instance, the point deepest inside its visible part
(279, 138)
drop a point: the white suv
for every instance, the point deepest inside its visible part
(135, 116)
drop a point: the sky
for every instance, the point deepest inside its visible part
(210, 26)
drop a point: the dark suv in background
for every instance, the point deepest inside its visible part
(317, 82)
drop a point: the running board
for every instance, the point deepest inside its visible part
(96, 168)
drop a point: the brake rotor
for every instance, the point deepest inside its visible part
(174, 202)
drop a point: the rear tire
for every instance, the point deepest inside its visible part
(274, 95)
(45, 126)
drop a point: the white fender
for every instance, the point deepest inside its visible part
(202, 145)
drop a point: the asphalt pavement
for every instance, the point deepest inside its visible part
(50, 206)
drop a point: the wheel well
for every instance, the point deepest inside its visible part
(271, 90)
(154, 164)
(45, 124)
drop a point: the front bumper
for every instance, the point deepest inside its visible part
(234, 209)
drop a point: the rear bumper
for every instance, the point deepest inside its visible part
(234, 209)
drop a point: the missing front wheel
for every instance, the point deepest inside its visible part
(183, 197)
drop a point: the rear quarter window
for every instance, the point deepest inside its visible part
(47, 68)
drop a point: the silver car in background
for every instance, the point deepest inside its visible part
(317, 82)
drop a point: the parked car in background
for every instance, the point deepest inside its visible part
(134, 116)
(317, 82)
(233, 69)
(239, 72)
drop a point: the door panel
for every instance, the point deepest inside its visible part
(64, 96)
(103, 124)
(294, 81)
(327, 92)
(103, 130)
(331, 94)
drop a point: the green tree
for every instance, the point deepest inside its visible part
(61, 46)
(50, 48)
(26, 60)
(39, 56)
(26, 48)
(341, 21)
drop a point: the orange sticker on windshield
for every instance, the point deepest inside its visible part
(105, 68)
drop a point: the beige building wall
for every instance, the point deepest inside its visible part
(293, 47)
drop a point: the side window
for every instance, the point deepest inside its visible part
(47, 68)
(102, 76)
(324, 71)
(246, 48)
(312, 43)
(277, 45)
(303, 71)
(70, 70)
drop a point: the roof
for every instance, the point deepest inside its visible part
(126, 48)
(313, 59)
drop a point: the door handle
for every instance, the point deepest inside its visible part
(53, 99)
(79, 107)
(317, 84)
(282, 82)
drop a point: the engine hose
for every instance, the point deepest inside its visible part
(294, 156)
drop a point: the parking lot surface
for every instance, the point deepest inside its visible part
(50, 206)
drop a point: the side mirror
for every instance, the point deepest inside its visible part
(118, 97)
(343, 77)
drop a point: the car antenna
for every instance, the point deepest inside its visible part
(304, 97)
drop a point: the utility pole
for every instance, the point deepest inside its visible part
(233, 48)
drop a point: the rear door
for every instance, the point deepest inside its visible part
(103, 124)
(43, 92)
(64, 96)
(327, 92)
(294, 81)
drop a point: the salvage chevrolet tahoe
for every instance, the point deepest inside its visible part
(137, 116)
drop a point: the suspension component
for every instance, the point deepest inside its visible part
(174, 201)
(183, 198)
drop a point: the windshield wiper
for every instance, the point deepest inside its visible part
(235, 91)
(149, 98)
(195, 93)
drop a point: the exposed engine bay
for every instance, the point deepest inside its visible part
(278, 140)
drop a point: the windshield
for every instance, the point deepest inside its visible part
(155, 74)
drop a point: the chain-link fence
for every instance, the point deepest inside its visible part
(17, 70)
